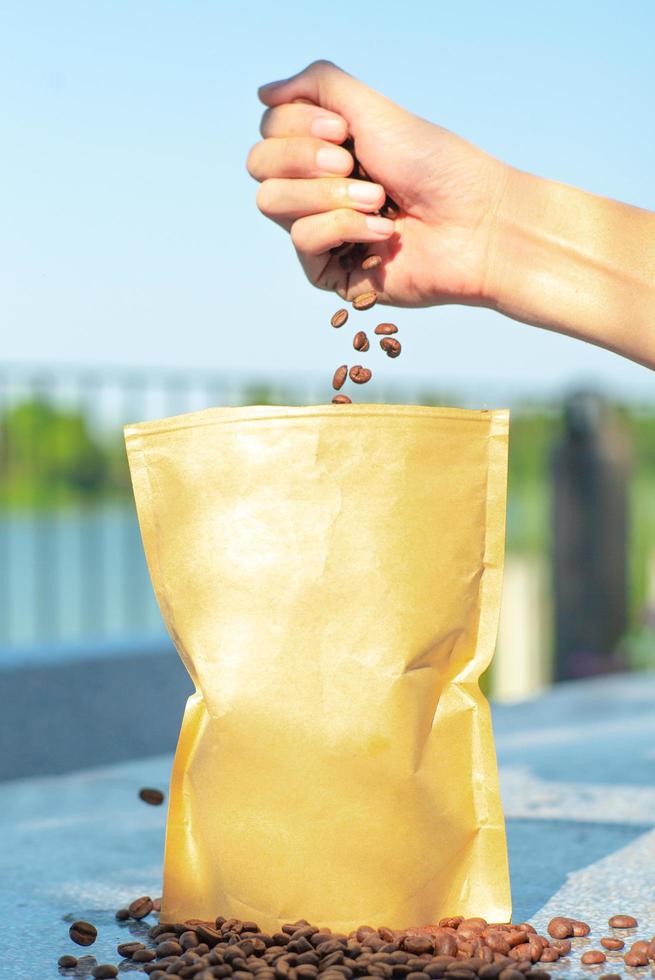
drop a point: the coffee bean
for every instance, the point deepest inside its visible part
(623, 922)
(510, 974)
(146, 955)
(339, 318)
(123, 915)
(365, 300)
(169, 948)
(371, 262)
(67, 961)
(580, 928)
(384, 329)
(418, 944)
(563, 945)
(340, 376)
(389, 209)
(610, 976)
(140, 907)
(610, 943)
(360, 341)
(550, 954)
(127, 949)
(83, 933)
(635, 959)
(560, 928)
(360, 375)
(341, 400)
(154, 797)
(593, 956)
(390, 346)
(641, 946)
(104, 970)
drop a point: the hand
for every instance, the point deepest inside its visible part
(438, 250)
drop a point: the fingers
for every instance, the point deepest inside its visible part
(323, 84)
(303, 120)
(297, 157)
(285, 200)
(318, 233)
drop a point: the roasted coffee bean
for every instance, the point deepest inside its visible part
(371, 262)
(365, 300)
(140, 907)
(154, 797)
(390, 346)
(384, 329)
(360, 342)
(189, 939)
(169, 948)
(550, 955)
(580, 928)
(122, 915)
(340, 376)
(104, 970)
(418, 944)
(634, 958)
(207, 934)
(342, 400)
(490, 971)
(360, 375)
(610, 976)
(67, 961)
(593, 956)
(641, 946)
(83, 933)
(145, 955)
(560, 928)
(339, 318)
(563, 945)
(126, 949)
(610, 943)
(510, 973)
(623, 922)
(459, 973)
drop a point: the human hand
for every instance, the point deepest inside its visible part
(438, 250)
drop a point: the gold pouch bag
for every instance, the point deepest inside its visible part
(331, 578)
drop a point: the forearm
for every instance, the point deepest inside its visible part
(575, 263)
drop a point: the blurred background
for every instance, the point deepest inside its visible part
(138, 279)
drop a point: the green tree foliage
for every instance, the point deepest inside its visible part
(49, 455)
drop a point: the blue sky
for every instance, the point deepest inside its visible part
(128, 227)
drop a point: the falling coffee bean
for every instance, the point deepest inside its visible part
(360, 341)
(128, 949)
(384, 329)
(365, 300)
(610, 943)
(623, 922)
(339, 318)
(340, 376)
(140, 907)
(341, 400)
(371, 262)
(390, 346)
(83, 933)
(360, 375)
(67, 961)
(154, 797)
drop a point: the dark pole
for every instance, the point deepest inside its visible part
(590, 477)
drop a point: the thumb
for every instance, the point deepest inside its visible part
(326, 85)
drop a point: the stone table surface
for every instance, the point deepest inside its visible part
(578, 782)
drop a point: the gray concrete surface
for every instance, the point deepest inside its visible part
(578, 782)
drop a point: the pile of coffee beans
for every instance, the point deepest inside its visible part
(455, 949)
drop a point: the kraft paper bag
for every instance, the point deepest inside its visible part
(331, 578)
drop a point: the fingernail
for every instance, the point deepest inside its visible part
(333, 160)
(326, 128)
(381, 226)
(365, 193)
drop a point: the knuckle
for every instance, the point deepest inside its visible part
(341, 221)
(266, 196)
(265, 122)
(253, 162)
(320, 66)
(298, 234)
